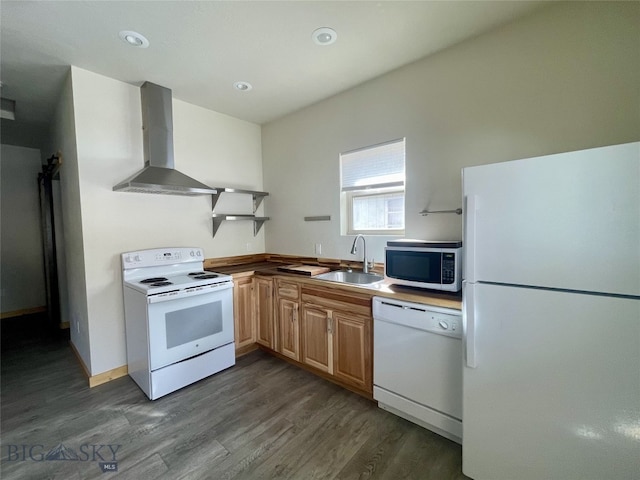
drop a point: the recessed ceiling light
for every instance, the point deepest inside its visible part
(134, 39)
(324, 36)
(242, 86)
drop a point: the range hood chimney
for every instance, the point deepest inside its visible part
(159, 175)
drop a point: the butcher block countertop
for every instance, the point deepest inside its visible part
(267, 265)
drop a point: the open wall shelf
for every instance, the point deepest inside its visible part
(218, 218)
(257, 196)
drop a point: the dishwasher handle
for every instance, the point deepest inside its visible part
(403, 307)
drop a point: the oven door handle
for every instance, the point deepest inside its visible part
(188, 292)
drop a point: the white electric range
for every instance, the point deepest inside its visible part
(179, 319)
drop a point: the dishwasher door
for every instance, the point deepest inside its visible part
(417, 370)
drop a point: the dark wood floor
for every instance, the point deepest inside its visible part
(261, 419)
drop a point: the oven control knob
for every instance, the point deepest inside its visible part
(137, 258)
(443, 324)
(192, 253)
(198, 253)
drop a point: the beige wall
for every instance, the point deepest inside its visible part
(72, 279)
(565, 78)
(213, 148)
(22, 270)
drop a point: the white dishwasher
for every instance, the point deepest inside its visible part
(417, 358)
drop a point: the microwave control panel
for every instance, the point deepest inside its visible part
(448, 267)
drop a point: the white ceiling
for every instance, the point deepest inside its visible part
(198, 49)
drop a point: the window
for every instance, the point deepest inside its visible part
(372, 189)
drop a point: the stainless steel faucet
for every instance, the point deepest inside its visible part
(354, 250)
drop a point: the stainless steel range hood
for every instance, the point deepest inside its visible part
(158, 175)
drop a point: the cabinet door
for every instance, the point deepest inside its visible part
(352, 350)
(243, 319)
(317, 347)
(289, 328)
(264, 312)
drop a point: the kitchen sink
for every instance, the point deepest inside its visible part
(355, 278)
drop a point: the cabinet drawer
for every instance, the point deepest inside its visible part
(288, 289)
(337, 301)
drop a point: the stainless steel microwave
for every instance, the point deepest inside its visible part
(424, 264)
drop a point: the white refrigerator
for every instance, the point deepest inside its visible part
(551, 317)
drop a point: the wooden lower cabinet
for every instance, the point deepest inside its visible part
(289, 328)
(338, 343)
(287, 334)
(265, 326)
(337, 336)
(243, 317)
(317, 345)
(325, 329)
(352, 347)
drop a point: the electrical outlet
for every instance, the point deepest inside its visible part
(318, 249)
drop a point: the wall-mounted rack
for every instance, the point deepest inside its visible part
(257, 196)
(218, 218)
(457, 211)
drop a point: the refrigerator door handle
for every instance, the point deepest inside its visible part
(469, 325)
(470, 238)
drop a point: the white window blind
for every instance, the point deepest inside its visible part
(379, 166)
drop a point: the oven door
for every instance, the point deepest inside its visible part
(182, 327)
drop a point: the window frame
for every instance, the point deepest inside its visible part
(371, 192)
(347, 194)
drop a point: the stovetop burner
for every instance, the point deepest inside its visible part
(160, 284)
(154, 280)
(193, 274)
(206, 276)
